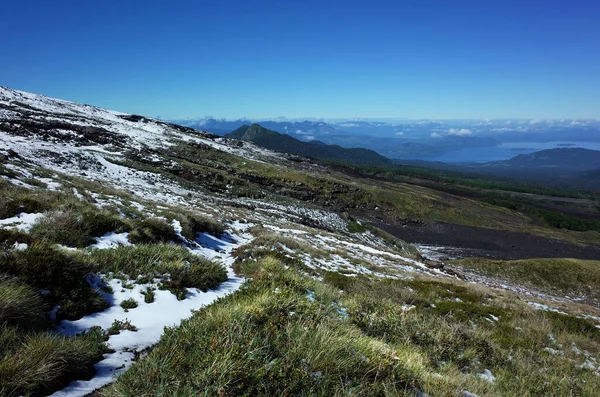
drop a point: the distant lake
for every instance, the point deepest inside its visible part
(506, 151)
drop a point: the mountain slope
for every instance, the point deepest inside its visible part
(107, 219)
(287, 144)
(561, 159)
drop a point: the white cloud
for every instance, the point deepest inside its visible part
(436, 135)
(399, 133)
(459, 132)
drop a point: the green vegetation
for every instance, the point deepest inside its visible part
(121, 325)
(44, 267)
(562, 276)
(152, 230)
(148, 295)
(21, 306)
(129, 304)
(39, 363)
(41, 277)
(269, 339)
(75, 226)
(34, 182)
(287, 334)
(9, 237)
(287, 144)
(456, 179)
(551, 218)
(356, 227)
(192, 223)
(150, 261)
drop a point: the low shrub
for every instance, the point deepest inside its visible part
(21, 306)
(39, 364)
(121, 325)
(148, 295)
(129, 304)
(43, 267)
(76, 226)
(192, 223)
(152, 231)
(186, 270)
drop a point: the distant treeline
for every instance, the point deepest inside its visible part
(459, 180)
(555, 219)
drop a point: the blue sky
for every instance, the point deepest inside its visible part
(330, 59)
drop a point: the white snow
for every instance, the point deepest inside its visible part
(588, 365)
(541, 306)
(22, 222)
(112, 240)
(19, 246)
(487, 376)
(150, 326)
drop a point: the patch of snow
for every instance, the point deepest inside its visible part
(112, 240)
(552, 351)
(77, 194)
(487, 376)
(19, 246)
(64, 247)
(51, 184)
(22, 222)
(149, 326)
(588, 365)
(541, 306)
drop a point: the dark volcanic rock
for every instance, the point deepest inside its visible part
(496, 244)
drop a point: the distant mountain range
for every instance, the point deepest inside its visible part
(284, 143)
(416, 139)
(573, 165)
(563, 159)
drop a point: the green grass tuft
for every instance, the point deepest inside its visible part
(129, 304)
(121, 325)
(76, 226)
(21, 306)
(152, 230)
(43, 267)
(186, 270)
(38, 364)
(565, 276)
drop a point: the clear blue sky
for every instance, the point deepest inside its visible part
(297, 58)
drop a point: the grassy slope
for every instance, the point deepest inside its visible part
(561, 276)
(287, 334)
(439, 349)
(35, 360)
(348, 193)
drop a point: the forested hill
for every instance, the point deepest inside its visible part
(284, 143)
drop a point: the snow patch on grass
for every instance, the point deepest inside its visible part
(150, 326)
(112, 240)
(22, 222)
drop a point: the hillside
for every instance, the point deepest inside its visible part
(562, 159)
(140, 257)
(284, 143)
